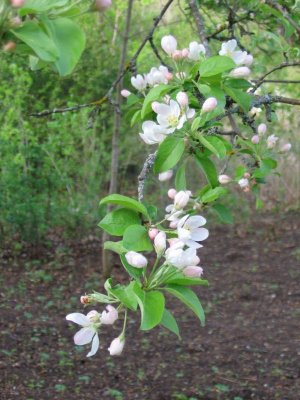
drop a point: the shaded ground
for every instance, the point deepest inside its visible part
(249, 349)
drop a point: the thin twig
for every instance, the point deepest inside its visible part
(285, 14)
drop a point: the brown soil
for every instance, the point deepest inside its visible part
(249, 349)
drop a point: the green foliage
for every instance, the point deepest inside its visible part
(169, 153)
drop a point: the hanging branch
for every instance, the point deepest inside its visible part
(127, 68)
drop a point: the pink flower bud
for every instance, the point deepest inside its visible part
(177, 55)
(152, 233)
(247, 175)
(9, 46)
(172, 193)
(193, 272)
(15, 22)
(286, 147)
(209, 104)
(165, 176)
(160, 243)
(136, 260)
(255, 139)
(224, 179)
(262, 129)
(185, 52)
(182, 99)
(169, 76)
(102, 5)
(110, 316)
(240, 72)
(84, 300)
(116, 347)
(154, 106)
(17, 3)
(271, 141)
(169, 44)
(93, 316)
(248, 60)
(173, 224)
(181, 199)
(125, 93)
(243, 183)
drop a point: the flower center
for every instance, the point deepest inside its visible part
(172, 120)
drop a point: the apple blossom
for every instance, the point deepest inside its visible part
(286, 147)
(169, 44)
(152, 233)
(154, 105)
(89, 331)
(116, 347)
(179, 258)
(181, 199)
(110, 316)
(189, 231)
(195, 50)
(177, 55)
(248, 60)
(169, 76)
(173, 215)
(209, 104)
(125, 93)
(160, 243)
(240, 72)
(136, 260)
(185, 52)
(153, 133)
(271, 141)
(244, 183)
(224, 179)
(157, 76)
(193, 271)
(228, 49)
(170, 116)
(139, 82)
(102, 5)
(17, 3)
(165, 176)
(172, 193)
(255, 139)
(262, 129)
(182, 99)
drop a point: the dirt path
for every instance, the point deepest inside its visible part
(249, 349)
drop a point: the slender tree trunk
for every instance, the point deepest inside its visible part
(106, 264)
(200, 25)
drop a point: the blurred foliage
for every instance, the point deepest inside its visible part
(54, 170)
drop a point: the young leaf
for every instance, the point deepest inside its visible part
(169, 322)
(116, 247)
(126, 202)
(180, 180)
(126, 295)
(136, 238)
(118, 220)
(154, 94)
(213, 194)
(240, 97)
(182, 280)
(169, 153)
(214, 144)
(152, 305)
(216, 65)
(209, 170)
(189, 298)
(223, 213)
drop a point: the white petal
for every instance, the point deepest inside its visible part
(175, 108)
(193, 245)
(78, 318)
(163, 109)
(190, 113)
(239, 57)
(162, 120)
(84, 336)
(95, 346)
(199, 234)
(231, 44)
(195, 221)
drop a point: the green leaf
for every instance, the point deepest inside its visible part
(213, 194)
(237, 83)
(41, 6)
(116, 247)
(209, 170)
(265, 168)
(152, 305)
(118, 220)
(214, 144)
(153, 95)
(181, 280)
(126, 295)
(152, 211)
(136, 117)
(240, 97)
(189, 298)
(135, 273)
(240, 171)
(136, 238)
(223, 213)
(169, 153)
(69, 40)
(180, 180)
(34, 36)
(169, 322)
(126, 202)
(216, 65)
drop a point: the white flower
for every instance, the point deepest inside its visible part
(181, 199)
(224, 179)
(209, 104)
(139, 82)
(193, 271)
(157, 76)
(169, 116)
(116, 346)
(240, 72)
(153, 133)
(173, 215)
(110, 316)
(179, 258)
(89, 331)
(255, 139)
(169, 44)
(125, 93)
(248, 60)
(165, 176)
(262, 129)
(189, 231)
(271, 141)
(286, 147)
(172, 193)
(195, 50)
(228, 49)
(244, 183)
(182, 99)
(160, 243)
(136, 260)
